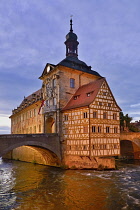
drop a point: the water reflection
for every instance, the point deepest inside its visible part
(27, 186)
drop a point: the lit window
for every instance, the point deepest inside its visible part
(107, 129)
(85, 114)
(94, 114)
(72, 83)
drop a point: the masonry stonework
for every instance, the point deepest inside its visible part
(76, 103)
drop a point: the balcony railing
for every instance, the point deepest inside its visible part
(49, 109)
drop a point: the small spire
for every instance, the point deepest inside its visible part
(71, 30)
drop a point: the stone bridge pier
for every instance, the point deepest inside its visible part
(130, 145)
(46, 145)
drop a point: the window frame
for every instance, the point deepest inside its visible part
(72, 83)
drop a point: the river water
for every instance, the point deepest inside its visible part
(29, 186)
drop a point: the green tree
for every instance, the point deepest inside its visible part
(125, 123)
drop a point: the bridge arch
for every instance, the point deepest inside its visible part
(130, 149)
(46, 144)
(31, 143)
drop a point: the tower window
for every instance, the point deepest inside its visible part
(72, 83)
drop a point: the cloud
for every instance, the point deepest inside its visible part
(33, 33)
(4, 120)
(135, 105)
(4, 130)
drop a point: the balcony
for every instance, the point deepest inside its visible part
(47, 109)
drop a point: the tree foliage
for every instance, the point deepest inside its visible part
(125, 123)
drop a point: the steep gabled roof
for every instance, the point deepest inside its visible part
(85, 95)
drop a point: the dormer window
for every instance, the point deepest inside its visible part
(75, 97)
(89, 94)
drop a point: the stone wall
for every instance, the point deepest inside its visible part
(77, 162)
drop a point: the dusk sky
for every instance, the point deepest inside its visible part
(32, 33)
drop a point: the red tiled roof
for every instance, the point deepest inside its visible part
(80, 98)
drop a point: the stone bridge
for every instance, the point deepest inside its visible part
(49, 142)
(130, 145)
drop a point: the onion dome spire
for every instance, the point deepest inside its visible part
(71, 43)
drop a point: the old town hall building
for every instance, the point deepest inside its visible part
(75, 102)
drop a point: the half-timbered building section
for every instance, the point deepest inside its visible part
(27, 118)
(91, 121)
